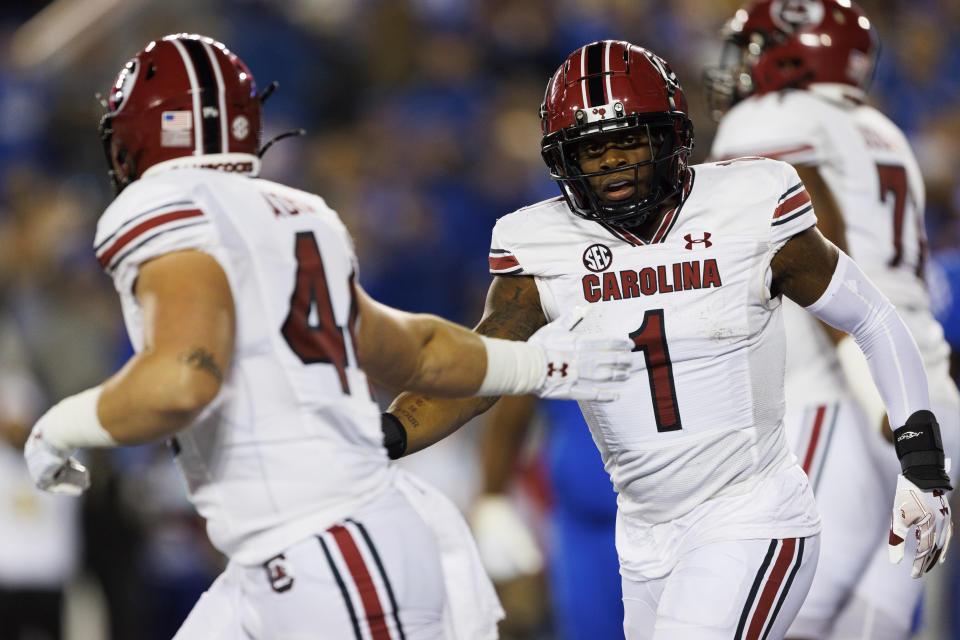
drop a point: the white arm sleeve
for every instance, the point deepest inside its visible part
(853, 304)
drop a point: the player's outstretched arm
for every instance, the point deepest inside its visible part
(418, 352)
(512, 312)
(188, 335)
(555, 362)
(830, 285)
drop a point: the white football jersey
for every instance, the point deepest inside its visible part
(292, 442)
(866, 161)
(700, 417)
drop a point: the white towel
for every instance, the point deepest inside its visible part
(473, 609)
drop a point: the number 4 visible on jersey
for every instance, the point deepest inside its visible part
(652, 341)
(310, 328)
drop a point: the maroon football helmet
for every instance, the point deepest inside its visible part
(616, 86)
(182, 97)
(788, 44)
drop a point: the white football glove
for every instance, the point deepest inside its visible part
(54, 470)
(577, 362)
(506, 545)
(929, 512)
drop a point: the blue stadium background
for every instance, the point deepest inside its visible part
(421, 119)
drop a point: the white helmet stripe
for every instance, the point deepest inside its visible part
(583, 72)
(606, 69)
(195, 92)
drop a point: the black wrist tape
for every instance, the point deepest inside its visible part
(394, 435)
(920, 450)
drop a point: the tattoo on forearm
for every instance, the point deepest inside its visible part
(200, 358)
(514, 317)
(408, 417)
(464, 409)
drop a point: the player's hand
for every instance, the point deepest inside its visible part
(51, 469)
(506, 545)
(929, 512)
(576, 363)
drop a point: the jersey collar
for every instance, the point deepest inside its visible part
(838, 92)
(241, 163)
(666, 224)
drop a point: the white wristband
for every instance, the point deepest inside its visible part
(72, 423)
(513, 367)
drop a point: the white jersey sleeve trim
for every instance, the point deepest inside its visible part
(794, 210)
(144, 227)
(792, 204)
(503, 262)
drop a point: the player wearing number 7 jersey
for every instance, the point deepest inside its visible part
(796, 76)
(254, 344)
(717, 528)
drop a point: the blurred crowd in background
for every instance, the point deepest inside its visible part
(422, 129)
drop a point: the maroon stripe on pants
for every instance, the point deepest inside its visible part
(770, 589)
(814, 437)
(361, 578)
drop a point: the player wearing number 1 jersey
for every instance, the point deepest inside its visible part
(717, 530)
(253, 344)
(796, 73)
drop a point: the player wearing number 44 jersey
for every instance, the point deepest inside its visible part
(792, 86)
(253, 344)
(717, 530)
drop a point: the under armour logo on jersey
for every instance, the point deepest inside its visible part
(279, 573)
(562, 370)
(705, 240)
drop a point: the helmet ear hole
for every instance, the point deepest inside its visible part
(151, 71)
(119, 156)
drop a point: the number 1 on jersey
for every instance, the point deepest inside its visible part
(310, 328)
(652, 341)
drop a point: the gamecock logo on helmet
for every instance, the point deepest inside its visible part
(792, 15)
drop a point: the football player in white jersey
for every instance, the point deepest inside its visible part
(797, 73)
(253, 344)
(717, 529)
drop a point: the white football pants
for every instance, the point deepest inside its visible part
(731, 590)
(375, 576)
